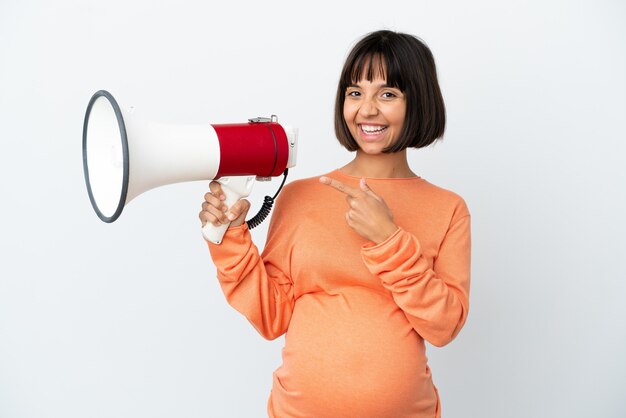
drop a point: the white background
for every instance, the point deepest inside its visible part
(128, 320)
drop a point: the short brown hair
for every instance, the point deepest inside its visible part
(407, 64)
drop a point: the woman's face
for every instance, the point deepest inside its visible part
(374, 113)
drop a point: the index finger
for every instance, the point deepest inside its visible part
(350, 191)
(216, 189)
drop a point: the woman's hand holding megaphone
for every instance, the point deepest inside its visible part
(215, 211)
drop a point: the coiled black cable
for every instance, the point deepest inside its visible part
(268, 202)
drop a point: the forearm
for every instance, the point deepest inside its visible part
(255, 287)
(436, 303)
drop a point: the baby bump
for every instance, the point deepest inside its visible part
(354, 348)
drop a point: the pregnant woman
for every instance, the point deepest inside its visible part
(361, 264)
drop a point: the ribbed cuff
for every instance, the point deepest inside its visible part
(397, 253)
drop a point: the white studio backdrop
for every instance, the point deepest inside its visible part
(128, 320)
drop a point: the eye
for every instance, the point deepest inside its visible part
(389, 95)
(353, 93)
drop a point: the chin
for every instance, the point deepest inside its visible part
(372, 147)
(372, 151)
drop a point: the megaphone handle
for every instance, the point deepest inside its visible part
(234, 188)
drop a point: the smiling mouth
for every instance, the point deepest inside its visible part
(372, 130)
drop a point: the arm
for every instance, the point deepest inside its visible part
(258, 286)
(435, 300)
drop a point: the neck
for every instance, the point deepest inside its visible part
(394, 165)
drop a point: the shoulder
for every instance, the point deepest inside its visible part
(299, 191)
(301, 197)
(302, 185)
(446, 198)
(300, 188)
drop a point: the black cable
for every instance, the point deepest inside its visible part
(268, 202)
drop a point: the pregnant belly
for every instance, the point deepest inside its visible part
(352, 354)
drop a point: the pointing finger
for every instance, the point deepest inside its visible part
(366, 188)
(350, 191)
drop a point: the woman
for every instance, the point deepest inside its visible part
(364, 263)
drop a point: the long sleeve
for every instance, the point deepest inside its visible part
(435, 300)
(258, 286)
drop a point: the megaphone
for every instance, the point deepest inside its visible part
(124, 156)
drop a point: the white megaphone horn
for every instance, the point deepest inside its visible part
(124, 157)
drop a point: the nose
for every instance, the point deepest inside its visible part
(368, 107)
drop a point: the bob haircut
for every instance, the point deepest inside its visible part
(407, 64)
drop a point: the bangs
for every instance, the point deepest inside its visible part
(371, 64)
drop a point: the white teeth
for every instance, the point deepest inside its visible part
(373, 129)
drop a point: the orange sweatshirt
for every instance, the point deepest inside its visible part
(355, 314)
